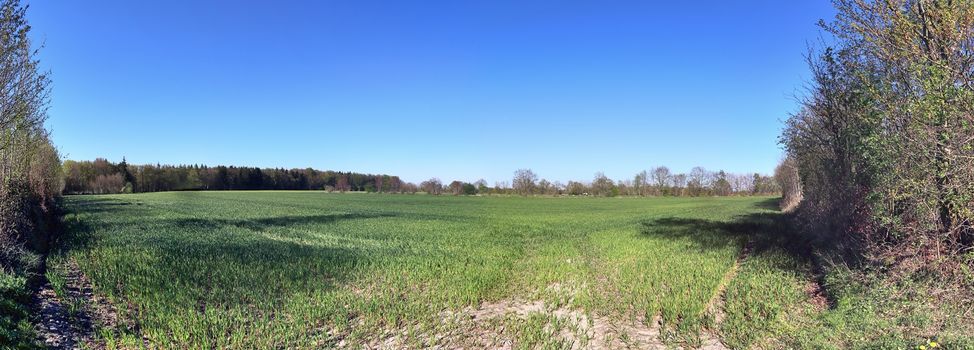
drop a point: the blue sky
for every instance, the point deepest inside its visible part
(452, 89)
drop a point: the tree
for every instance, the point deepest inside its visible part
(105, 184)
(576, 188)
(192, 179)
(721, 185)
(378, 183)
(456, 187)
(623, 187)
(544, 187)
(524, 182)
(410, 188)
(432, 186)
(786, 175)
(661, 177)
(765, 185)
(482, 186)
(123, 168)
(395, 184)
(469, 189)
(558, 188)
(742, 183)
(30, 166)
(603, 186)
(501, 187)
(343, 184)
(640, 182)
(73, 181)
(679, 182)
(698, 181)
(883, 142)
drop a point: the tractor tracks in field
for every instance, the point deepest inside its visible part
(710, 336)
(62, 323)
(57, 327)
(68, 321)
(488, 325)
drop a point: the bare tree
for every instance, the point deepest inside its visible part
(698, 181)
(395, 184)
(603, 186)
(576, 188)
(456, 187)
(544, 187)
(679, 182)
(108, 184)
(524, 181)
(342, 184)
(661, 177)
(378, 183)
(432, 186)
(558, 188)
(501, 187)
(786, 175)
(623, 187)
(409, 187)
(741, 183)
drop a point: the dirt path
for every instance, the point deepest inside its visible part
(61, 324)
(57, 327)
(68, 321)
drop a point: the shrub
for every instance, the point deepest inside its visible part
(30, 174)
(883, 145)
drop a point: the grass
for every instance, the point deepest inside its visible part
(317, 270)
(769, 303)
(287, 269)
(758, 300)
(17, 268)
(766, 309)
(16, 331)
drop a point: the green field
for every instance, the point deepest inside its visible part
(312, 270)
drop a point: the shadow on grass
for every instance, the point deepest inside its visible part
(769, 204)
(764, 233)
(761, 231)
(249, 271)
(98, 205)
(262, 224)
(215, 269)
(77, 229)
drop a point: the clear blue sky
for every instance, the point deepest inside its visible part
(452, 89)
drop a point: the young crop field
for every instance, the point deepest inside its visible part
(316, 270)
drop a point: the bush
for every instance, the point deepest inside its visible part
(786, 176)
(30, 167)
(16, 331)
(883, 145)
(30, 174)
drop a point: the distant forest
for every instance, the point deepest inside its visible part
(103, 177)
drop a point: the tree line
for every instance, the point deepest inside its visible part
(102, 176)
(881, 154)
(30, 173)
(659, 182)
